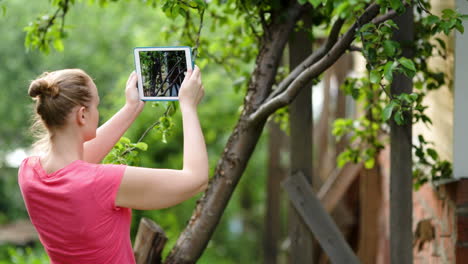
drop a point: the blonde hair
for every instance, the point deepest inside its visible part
(56, 94)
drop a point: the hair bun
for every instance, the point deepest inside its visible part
(42, 87)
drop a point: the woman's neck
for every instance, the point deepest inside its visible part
(66, 146)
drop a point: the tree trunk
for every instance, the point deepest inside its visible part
(401, 186)
(240, 145)
(300, 124)
(257, 109)
(275, 175)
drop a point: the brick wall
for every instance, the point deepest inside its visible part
(440, 221)
(461, 215)
(434, 225)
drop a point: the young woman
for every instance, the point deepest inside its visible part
(80, 208)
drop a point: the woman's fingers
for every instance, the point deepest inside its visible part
(188, 74)
(132, 78)
(196, 73)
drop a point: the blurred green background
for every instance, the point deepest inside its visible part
(100, 41)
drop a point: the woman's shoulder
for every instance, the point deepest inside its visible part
(29, 161)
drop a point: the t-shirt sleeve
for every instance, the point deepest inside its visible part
(107, 183)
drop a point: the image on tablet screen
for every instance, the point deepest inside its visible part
(162, 72)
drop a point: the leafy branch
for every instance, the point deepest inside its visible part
(44, 30)
(383, 59)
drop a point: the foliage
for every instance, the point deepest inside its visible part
(11, 203)
(101, 45)
(230, 41)
(25, 256)
(384, 60)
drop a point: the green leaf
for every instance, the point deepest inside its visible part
(142, 146)
(200, 3)
(389, 47)
(369, 164)
(431, 20)
(441, 43)
(414, 96)
(459, 27)
(388, 110)
(315, 3)
(391, 23)
(431, 152)
(448, 13)
(58, 44)
(399, 119)
(407, 63)
(343, 158)
(396, 5)
(375, 76)
(388, 70)
(426, 119)
(124, 140)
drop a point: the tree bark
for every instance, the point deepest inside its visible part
(401, 186)
(300, 124)
(240, 145)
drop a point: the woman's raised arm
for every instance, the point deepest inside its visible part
(110, 132)
(148, 189)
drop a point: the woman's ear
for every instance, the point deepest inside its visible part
(80, 115)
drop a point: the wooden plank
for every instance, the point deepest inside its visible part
(318, 220)
(149, 242)
(337, 184)
(370, 202)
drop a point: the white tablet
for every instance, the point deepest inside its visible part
(161, 70)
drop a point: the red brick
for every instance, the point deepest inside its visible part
(461, 255)
(462, 192)
(462, 228)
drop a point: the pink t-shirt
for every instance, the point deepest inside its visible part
(73, 210)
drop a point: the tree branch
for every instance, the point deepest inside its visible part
(355, 48)
(303, 73)
(313, 58)
(240, 145)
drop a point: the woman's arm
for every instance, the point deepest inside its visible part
(149, 189)
(110, 132)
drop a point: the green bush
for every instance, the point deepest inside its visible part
(27, 255)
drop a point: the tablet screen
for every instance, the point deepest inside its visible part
(162, 73)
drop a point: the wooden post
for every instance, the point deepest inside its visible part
(300, 120)
(317, 220)
(401, 175)
(149, 242)
(370, 200)
(276, 172)
(300, 123)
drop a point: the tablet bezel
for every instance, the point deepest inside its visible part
(189, 62)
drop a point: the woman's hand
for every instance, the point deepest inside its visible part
(131, 93)
(191, 91)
